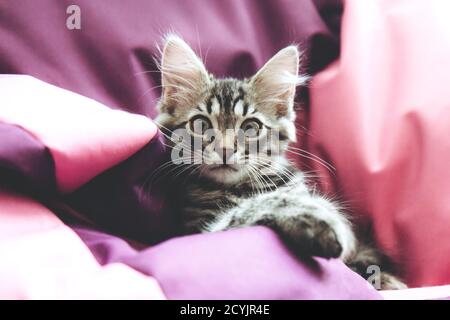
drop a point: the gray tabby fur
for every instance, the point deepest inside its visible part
(267, 190)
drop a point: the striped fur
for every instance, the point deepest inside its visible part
(266, 190)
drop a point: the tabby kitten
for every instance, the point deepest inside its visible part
(230, 187)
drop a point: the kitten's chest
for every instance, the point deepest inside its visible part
(200, 204)
(215, 199)
(202, 201)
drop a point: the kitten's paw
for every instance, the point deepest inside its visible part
(308, 235)
(390, 282)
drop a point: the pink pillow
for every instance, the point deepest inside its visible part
(41, 258)
(84, 137)
(381, 115)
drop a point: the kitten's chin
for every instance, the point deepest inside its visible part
(226, 174)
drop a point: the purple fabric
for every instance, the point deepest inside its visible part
(25, 163)
(121, 202)
(249, 263)
(105, 60)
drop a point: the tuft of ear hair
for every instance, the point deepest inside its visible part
(274, 84)
(183, 74)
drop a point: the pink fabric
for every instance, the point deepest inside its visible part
(75, 128)
(41, 258)
(428, 293)
(381, 115)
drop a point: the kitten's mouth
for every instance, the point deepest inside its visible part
(215, 167)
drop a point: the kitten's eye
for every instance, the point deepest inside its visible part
(251, 128)
(199, 124)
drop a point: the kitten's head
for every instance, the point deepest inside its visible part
(232, 127)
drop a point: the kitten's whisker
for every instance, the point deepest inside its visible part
(257, 181)
(197, 168)
(260, 182)
(251, 180)
(188, 167)
(167, 129)
(264, 184)
(145, 72)
(268, 184)
(271, 181)
(274, 171)
(286, 173)
(174, 172)
(312, 155)
(311, 174)
(155, 174)
(206, 55)
(330, 169)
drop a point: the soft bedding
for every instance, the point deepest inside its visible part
(205, 274)
(388, 99)
(75, 221)
(42, 258)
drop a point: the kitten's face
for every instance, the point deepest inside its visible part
(227, 128)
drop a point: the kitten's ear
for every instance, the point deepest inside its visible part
(183, 74)
(274, 84)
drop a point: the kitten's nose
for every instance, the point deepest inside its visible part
(227, 153)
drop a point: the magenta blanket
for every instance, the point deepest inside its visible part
(187, 267)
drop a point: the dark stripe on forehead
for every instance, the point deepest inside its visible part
(238, 98)
(219, 99)
(241, 92)
(227, 101)
(244, 112)
(209, 106)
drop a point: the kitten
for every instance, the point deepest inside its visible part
(229, 186)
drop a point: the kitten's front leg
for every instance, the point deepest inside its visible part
(309, 225)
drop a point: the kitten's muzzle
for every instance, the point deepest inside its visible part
(213, 167)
